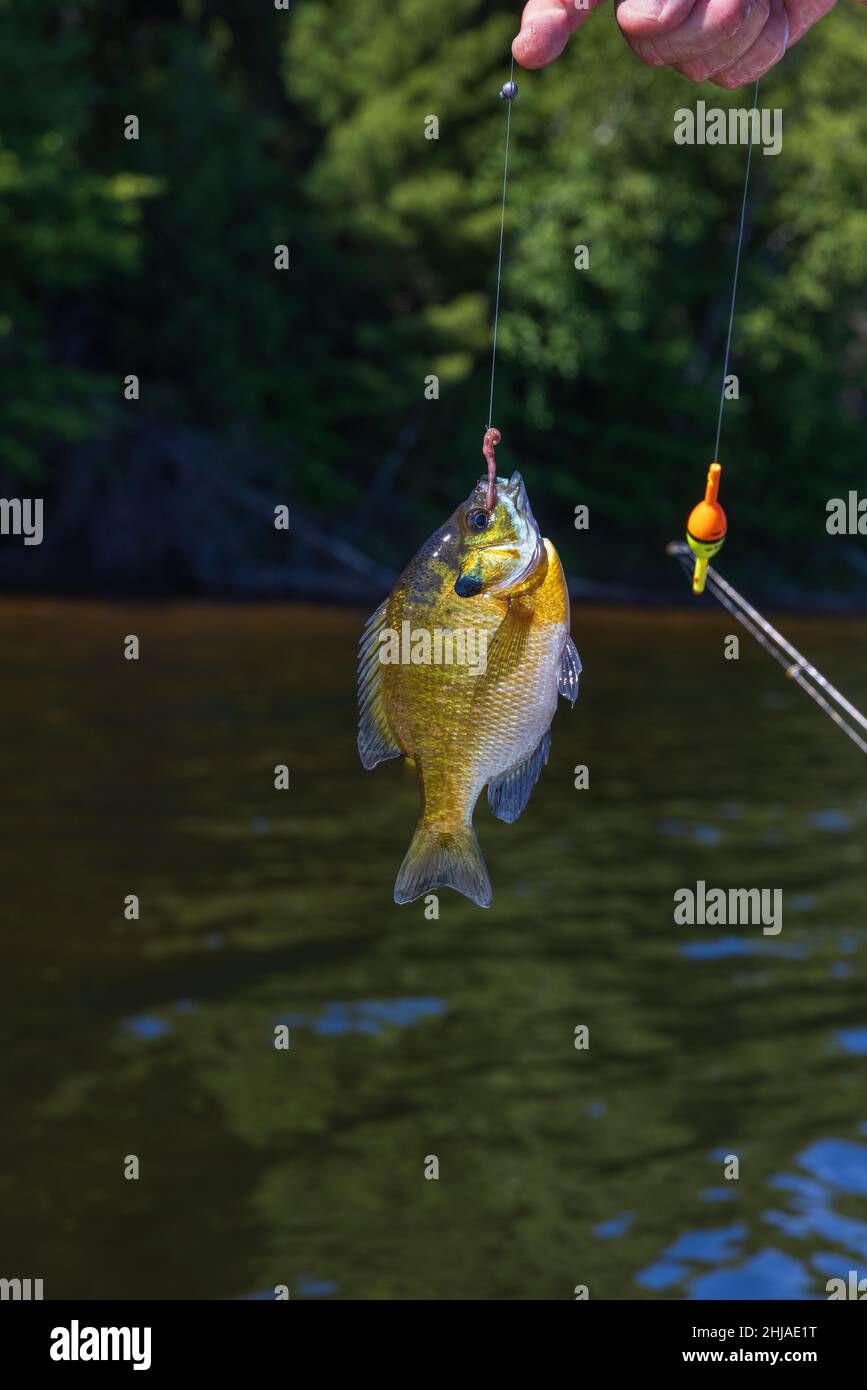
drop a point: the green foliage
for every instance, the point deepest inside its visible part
(261, 127)
(66, 229)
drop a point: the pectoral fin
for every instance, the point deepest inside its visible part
(509, 794)
(376, 742)
(506, 651)
(570, 670)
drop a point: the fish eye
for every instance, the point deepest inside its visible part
(477, 521)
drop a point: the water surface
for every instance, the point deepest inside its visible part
(412, 1037)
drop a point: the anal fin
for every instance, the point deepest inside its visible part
(509, 793)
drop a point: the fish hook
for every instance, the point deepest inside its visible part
(489, 444)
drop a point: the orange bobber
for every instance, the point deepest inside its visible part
(706, 528)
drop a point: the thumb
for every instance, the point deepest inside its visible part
(545, 29)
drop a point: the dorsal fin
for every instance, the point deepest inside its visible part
(376, 742)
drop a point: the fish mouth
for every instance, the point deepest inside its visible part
(466, 586)
(512, 489)
(518, 493)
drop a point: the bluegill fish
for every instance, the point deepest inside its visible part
(459, 670)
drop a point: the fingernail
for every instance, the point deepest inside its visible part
(645, 9)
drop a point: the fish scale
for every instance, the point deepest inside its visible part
(468, 724)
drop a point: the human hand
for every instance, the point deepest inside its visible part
(728, 42)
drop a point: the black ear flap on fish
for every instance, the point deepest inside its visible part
(469, 582)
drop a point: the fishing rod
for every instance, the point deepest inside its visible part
(793, 662)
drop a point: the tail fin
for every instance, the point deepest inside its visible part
(443, 859)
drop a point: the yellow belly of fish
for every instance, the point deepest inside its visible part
(462, 726)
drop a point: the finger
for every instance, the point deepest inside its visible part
(546, 26)
(803, 14)
(767, 50)
(727, 51)
(709, 24)
(648, 18)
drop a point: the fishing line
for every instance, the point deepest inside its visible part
(796, 666)
(736, 272)
(706, 531)
(508, 93)
(707, 525)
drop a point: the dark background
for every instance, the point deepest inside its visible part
(263, 908)
(260, 127)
